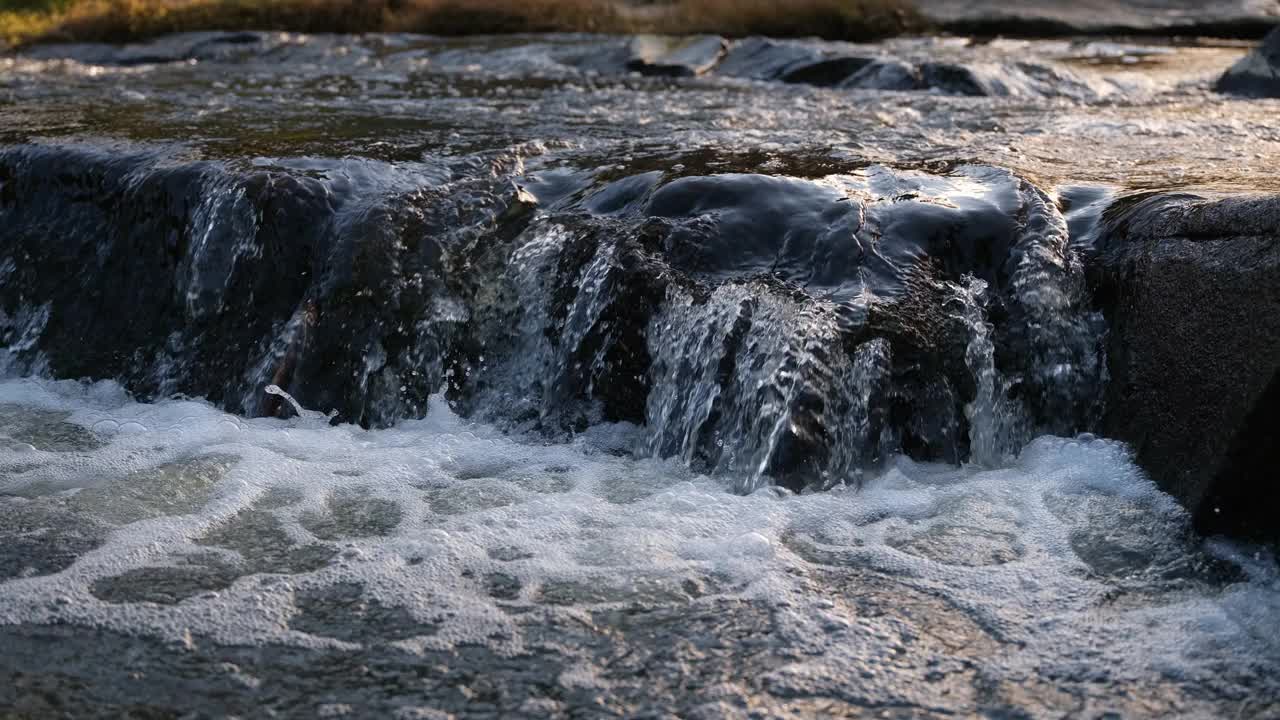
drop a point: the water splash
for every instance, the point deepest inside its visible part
(995, 425)
(752, 384)
(309, 417)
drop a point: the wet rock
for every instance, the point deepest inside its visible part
(502, 586)
(797, 330)
(769, 327)
(44, 430)
(1258, 73)
(345, 612)
(264, 546)
(800, 63)
(177, 47)
(670, 56)
(827, 72)
(1227, 18)
(731, 226)
(885, 74)
(760, 58)
(225, 281)
(961, 80)
(1002, 80)
(175, 488)
(1191, 289)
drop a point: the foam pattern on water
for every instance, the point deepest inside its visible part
(1064, 570)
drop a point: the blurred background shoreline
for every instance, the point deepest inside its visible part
(33, 21)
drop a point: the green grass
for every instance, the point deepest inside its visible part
(25, 21)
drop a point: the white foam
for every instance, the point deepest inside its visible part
(1016, 549)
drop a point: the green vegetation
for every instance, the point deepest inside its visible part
(23, 21)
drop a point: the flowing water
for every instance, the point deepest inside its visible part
(434, 378)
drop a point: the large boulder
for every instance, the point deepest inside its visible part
(799, 330)
(1191, 289)
(197, 278)
(1258, 73)
(770, 328)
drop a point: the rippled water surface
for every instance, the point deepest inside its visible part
(1145, 113)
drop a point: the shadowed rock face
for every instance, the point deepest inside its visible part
(767, 327)
(799, 330)
(878, 270)
(771, 327)
(1258, 73)
(191, 278)
(1191, 289)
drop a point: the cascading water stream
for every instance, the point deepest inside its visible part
(995, 430)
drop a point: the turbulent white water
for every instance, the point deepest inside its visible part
(1066, 563)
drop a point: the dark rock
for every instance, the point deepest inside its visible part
(764, 59)
(221, 282)
(828, 72)
(38, 539)
(885, 74)
(958, 79)
(176, 47)
(164, 585)
(344, 612)
(761, 326)
(1039, 18)
(736, 226)
(1258, 73)
(1191, 288)
(801, 330)
(974, 79)
(801, 63)
(1023, 79)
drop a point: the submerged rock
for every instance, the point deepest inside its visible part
(1191, 288)
(760, 58)
(885, 74)
(1258, 73)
